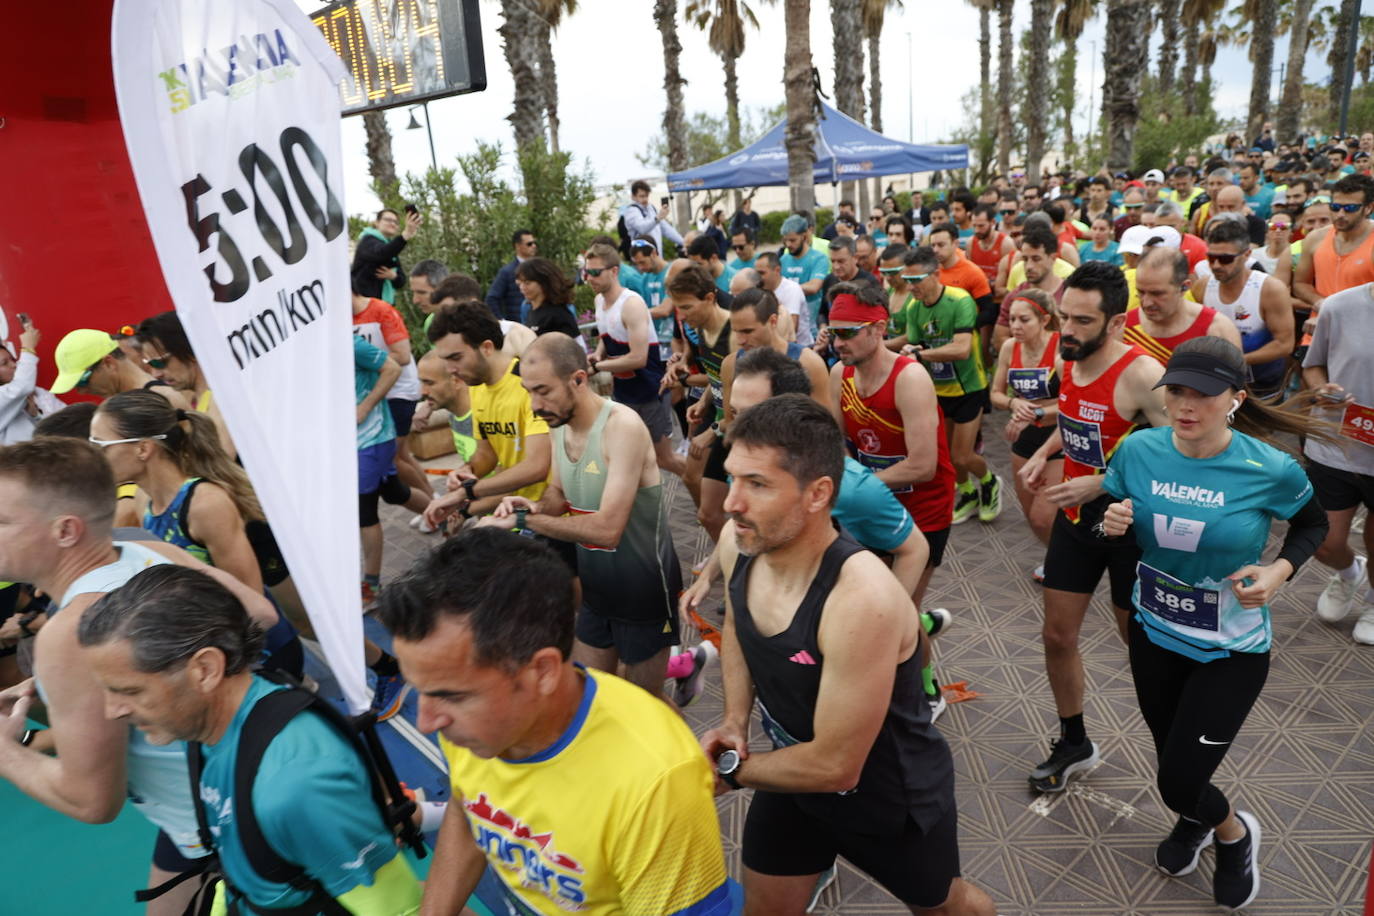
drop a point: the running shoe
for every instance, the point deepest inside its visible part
(940, 618)
(1336, 599)
(1236, 880)
(1179, 852)
(1038, 574)
(990, 500)
(965, 505)
(1064, 761)
(687, 689)
(938, 704)
(389, 695)
(826, 879)
(420, 525)
(1364, 627)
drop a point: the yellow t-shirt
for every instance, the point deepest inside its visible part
(1017, 275)
(1134, 301)
(502, 415)
(616, 817)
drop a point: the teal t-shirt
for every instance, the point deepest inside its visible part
(723, 281)
(651, 288)
(1198, 520)
(1261, 203)
(1111, 254)
(377, 427)
(737, 263)
(868, 509)
(808, 267)
(313, 801)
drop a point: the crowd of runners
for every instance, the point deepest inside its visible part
(1178, 361)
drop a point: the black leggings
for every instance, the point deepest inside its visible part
(1194, 711)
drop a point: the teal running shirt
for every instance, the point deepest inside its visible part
(1198, 520)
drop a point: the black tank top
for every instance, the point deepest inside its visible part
(909, 769)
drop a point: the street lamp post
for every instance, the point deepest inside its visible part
(415, 125)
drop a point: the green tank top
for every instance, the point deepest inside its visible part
(638, 579)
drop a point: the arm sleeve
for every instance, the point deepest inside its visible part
(1306, 530)
(668, 859)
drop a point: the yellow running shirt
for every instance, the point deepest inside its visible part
(616, 818)
(502, 415)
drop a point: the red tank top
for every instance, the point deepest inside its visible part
(1161, 348)
(873, 428)
(1089, 425)
(987, 260)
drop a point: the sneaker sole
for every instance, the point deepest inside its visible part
(826, 879)
(1252, 825)
(941, 619)
(959, 520)
(395, 705)
(1191, 866)
(1072, 769)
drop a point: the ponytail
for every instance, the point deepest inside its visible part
(192, 441)
(1267, 420)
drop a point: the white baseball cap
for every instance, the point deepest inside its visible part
(1137, 238)
(1153, 175)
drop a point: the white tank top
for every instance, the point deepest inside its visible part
(159, 783)
(1245, 311)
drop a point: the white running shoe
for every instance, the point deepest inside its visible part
(1336, 599)
(937, 707)
(1364, 627)
(824, 880)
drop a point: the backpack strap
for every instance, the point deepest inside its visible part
(207, 866)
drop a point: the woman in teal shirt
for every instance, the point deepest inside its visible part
(1201, 496)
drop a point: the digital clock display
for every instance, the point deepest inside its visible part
(400, 52)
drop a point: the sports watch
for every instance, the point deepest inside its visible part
(727, 764)
(470, 485)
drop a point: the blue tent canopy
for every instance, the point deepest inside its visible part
(845, 151)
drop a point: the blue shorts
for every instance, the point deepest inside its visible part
(375, 464)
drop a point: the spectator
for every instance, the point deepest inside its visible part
(377, 270)
(549, 295)
(746, 218)
(425, 278)
(503, 298)
(22, 402)
(642, 220)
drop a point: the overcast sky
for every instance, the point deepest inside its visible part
(610, 76)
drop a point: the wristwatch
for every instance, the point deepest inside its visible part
(27, 619)
(520, 516)
(470, 486)
(727, 764)
(1039, 413)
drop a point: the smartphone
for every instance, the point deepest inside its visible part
(1333, 397)
(664, 200)
(411, 208)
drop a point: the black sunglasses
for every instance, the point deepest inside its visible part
(1221, 257)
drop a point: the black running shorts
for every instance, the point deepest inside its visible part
(714, 469)
(1077, 556)
(1030, 440)
(964, 408)
(917, 867)
(634, 640)
(1338, 490)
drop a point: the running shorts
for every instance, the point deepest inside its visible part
(402, 412)
(937, 540)
(635, 640)
(1030, 440)
(657, 415)
(1077, 556)
(1338, 490)
(964, 408)
(715, 461)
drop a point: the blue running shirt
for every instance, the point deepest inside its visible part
(1198, 520)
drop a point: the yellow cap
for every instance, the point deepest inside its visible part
(77, 352)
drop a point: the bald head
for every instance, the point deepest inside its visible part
(747, 278)
(560, 353)
(1164, 260)
(677, 267)
(1230, 199)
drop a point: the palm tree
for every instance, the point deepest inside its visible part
(1197, 17)
(1037, 84)
(1168, 47)
(1290, 105)
(1068, 26)
(798, 82)
(1262, 16)
(1004, 85)
(1124, 61)
(724, 22)
(674, 121)
(380, 165)
(985, 99)
(846, 21)
(1344, 25)
(551, 13)
(520, 29)
(1364, 57)
(873, 13)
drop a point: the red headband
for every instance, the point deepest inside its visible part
(1038, 307)
(847, 307)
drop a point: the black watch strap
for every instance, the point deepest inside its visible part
(470, 486)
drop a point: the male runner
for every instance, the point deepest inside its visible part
(941, 323)
(441, 390)
(91, 362)
(1107, 390)
(514, 443)
(1165, 319)
(57, 501)
(827, 639)
(754, 318)
(1341, 255)
(579, 792)
(626, 348)
(173, 651)
(168, 355)
(605, 476)
(651, 282)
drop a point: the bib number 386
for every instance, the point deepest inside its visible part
(1176, 601)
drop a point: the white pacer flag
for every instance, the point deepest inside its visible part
(230, 112)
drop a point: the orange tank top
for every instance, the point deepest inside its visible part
(1332, 272)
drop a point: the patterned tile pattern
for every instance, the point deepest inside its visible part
(1304, 763)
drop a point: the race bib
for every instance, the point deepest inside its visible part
(1358, 423)
(1082, 441)
(881, 462)
(1031, 384)
(1176, 601)
(941, 372)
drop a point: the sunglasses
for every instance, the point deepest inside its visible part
(86, 376)
(595, 271)
(640, 243)
(1220, 257)
(1345, 208)
(739, 247)
(914, 278)
(1132, 206)
(156, 362)
(1280, 227)
(850, 333)
(1008, 212)
(889, 271)
(106, 443)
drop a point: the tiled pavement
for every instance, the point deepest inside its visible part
(1304, 763)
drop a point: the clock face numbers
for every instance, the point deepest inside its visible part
(295, 193)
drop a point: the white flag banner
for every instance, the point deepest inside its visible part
(230, 112)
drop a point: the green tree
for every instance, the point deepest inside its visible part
(1168, 46)
(1290, 105)
(706, 137)
(986, 138)
(725, 22)
(1124, 61)
(520, 31)
(674, 120)
(550, 13)
(1037, 85)
(1069, 23)
(380, 164)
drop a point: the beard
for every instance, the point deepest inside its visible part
(1081, 351)
(556, 420)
